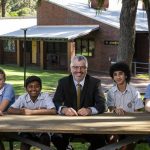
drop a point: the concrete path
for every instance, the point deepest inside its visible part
(107, 82)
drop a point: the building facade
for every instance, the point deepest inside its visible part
(99, 45)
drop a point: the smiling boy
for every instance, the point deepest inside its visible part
(34, 102)
(123, 97)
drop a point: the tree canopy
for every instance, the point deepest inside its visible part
(18, 7)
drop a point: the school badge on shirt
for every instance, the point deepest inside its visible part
(129, 105)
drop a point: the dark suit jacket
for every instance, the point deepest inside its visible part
(91, 95)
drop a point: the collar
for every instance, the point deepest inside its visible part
(28, 99)
(115, 89)
(81, 82)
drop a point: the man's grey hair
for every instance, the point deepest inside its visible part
(79, 58)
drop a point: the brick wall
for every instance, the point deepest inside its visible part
(100, 62)
(50, 14)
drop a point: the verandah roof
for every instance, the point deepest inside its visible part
(52, 33)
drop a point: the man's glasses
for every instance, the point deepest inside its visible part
(79, 67)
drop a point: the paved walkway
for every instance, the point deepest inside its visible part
(107, 82)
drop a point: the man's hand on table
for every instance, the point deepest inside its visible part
(84, 112)
(69, 111)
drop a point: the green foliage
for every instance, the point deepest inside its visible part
(24, 11)
(21, 7)
(38, 2)
(13, 14)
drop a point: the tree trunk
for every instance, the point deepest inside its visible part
(3, 4)
(127, 31)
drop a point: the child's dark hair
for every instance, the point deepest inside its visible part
(32, 79)
(120, 66)
(2, 72)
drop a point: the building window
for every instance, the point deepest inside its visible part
(57, 47)
(85, 47)
(9, 46)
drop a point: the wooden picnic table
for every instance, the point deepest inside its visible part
(107, 123)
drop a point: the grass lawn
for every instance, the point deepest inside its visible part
(15, 76)
(76, 146)
(143, 76)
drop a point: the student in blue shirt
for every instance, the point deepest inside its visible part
(147, 99)
(7, 96)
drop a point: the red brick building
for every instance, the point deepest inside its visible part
(65, 30)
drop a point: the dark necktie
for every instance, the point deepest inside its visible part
(78, 95)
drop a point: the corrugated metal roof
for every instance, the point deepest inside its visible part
(53, 32)
(110, 16)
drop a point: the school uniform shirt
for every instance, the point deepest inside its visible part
(129, 100)
(7, 92)
(147, 93)
(43, 101)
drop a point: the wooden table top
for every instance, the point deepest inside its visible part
(107, 123)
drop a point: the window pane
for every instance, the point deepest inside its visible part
(9, 46)
(50, 47)
(91, 47)
(85, 47)
(63, 48)
(78, 46)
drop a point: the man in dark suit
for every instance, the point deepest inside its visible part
(79, 94)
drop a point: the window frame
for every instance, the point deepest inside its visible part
(9, 45)
(82, 47)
